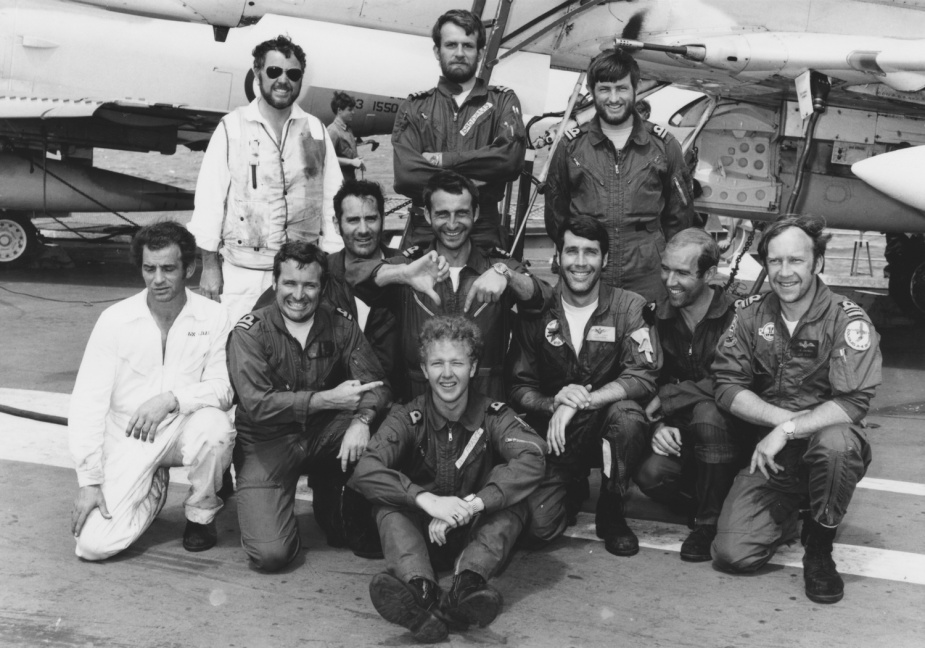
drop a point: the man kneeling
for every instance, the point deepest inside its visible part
(455, 468)
(151, 393)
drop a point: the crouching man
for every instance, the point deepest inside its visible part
(798, 368)
(152, 392)
(448, 475)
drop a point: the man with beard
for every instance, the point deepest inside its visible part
(454, 468)
(268, 177)
(463, 125)
(308, 387)
(692, 448)
(151, 393)
(345, 143)
(626, 172)
(580, 372)
(483, 287)
(797, 369)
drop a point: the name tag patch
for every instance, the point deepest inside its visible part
(805, 348)
(601, 334)
(469, 447)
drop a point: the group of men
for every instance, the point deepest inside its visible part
(505, 392)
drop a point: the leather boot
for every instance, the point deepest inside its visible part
(610, 525)
(413, 605)
(696, 547)
(472, 601)
(823, 583)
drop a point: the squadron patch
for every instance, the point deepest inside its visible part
(730, 339)
(554, 334)
(748, 301)
(410, 252)
(247, 321)
(497, 406)
(343, 312)
(852, 310)
(643, 343)
(415, 416)
(767, 332)
(857, 335)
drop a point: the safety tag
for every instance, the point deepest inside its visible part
(607, 459)
(641, 337)
(469, 448)
(601, 334)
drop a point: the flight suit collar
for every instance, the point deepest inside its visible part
(471, 420)
(449, 88)
(476, 261)
(604, 298)
(718, 306)
(817, 308)
(639, 135)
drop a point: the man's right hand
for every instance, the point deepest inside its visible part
(88, 498)
(451, 510)
(577, 396)
(210, 283)
(346, 396)
(667, 441)
(425, 273)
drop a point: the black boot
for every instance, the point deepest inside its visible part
(696, 547)
(411, 605)
(610, 525)
(823, 584)
(472, 601)
(326, 504)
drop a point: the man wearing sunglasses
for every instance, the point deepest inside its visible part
(269, 176)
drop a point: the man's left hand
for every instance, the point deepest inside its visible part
(437, 531)
(487, 288)
(355, 439)
(435, 159)
(143, 425)
(555, 435)
(766, 450)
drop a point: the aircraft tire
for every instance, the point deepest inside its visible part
(19, 240)
(917, 290)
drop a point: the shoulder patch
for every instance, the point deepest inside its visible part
(852, 310)
(497, 407)
(409, 253)
(730, 339)
(247, 322)
(661, 132)
(420, 94)
(857, 335)
(500, 253)
(415, 416)
(648, 313)
(500, 88)
(343, 313)
(748, 301)
(572, 133)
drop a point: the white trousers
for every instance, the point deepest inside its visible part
(242, 288)
(136, 476)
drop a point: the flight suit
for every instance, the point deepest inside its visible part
(619, 345)
(709, 454)
(274, 379)
(483, 139)
(833, 355)
(489, 453)
(642, 194)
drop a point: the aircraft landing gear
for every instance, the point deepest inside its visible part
(904, 255)
(19, 240)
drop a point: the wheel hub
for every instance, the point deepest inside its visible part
(13, 240)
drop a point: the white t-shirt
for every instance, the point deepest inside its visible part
(577, 317)
(791, 326)
(461, 97)
(454, 277)
(299, 330)
(362, 312)
(618, 134)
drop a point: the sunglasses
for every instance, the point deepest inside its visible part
(293, 74)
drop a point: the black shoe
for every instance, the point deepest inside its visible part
(410, 605)
(199, 537)
(471, 601)
(696, 547)
(823, 583)
(611, 526)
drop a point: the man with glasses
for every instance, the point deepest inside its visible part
(268, 176)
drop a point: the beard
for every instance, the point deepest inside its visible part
(457, 73)
(277, 102)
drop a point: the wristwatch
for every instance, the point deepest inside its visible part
(789, 427)
(363, 418)
(502, 270)
(476, 505)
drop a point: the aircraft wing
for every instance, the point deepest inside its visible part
(67, 125)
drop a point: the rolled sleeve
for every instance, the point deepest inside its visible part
(331, 240)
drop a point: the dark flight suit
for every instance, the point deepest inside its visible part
(641, 194)
(709, 457)
(832, 356)
(619, 345)
(278, 439)
(489, 452)
(484, 140)
(412, 309)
